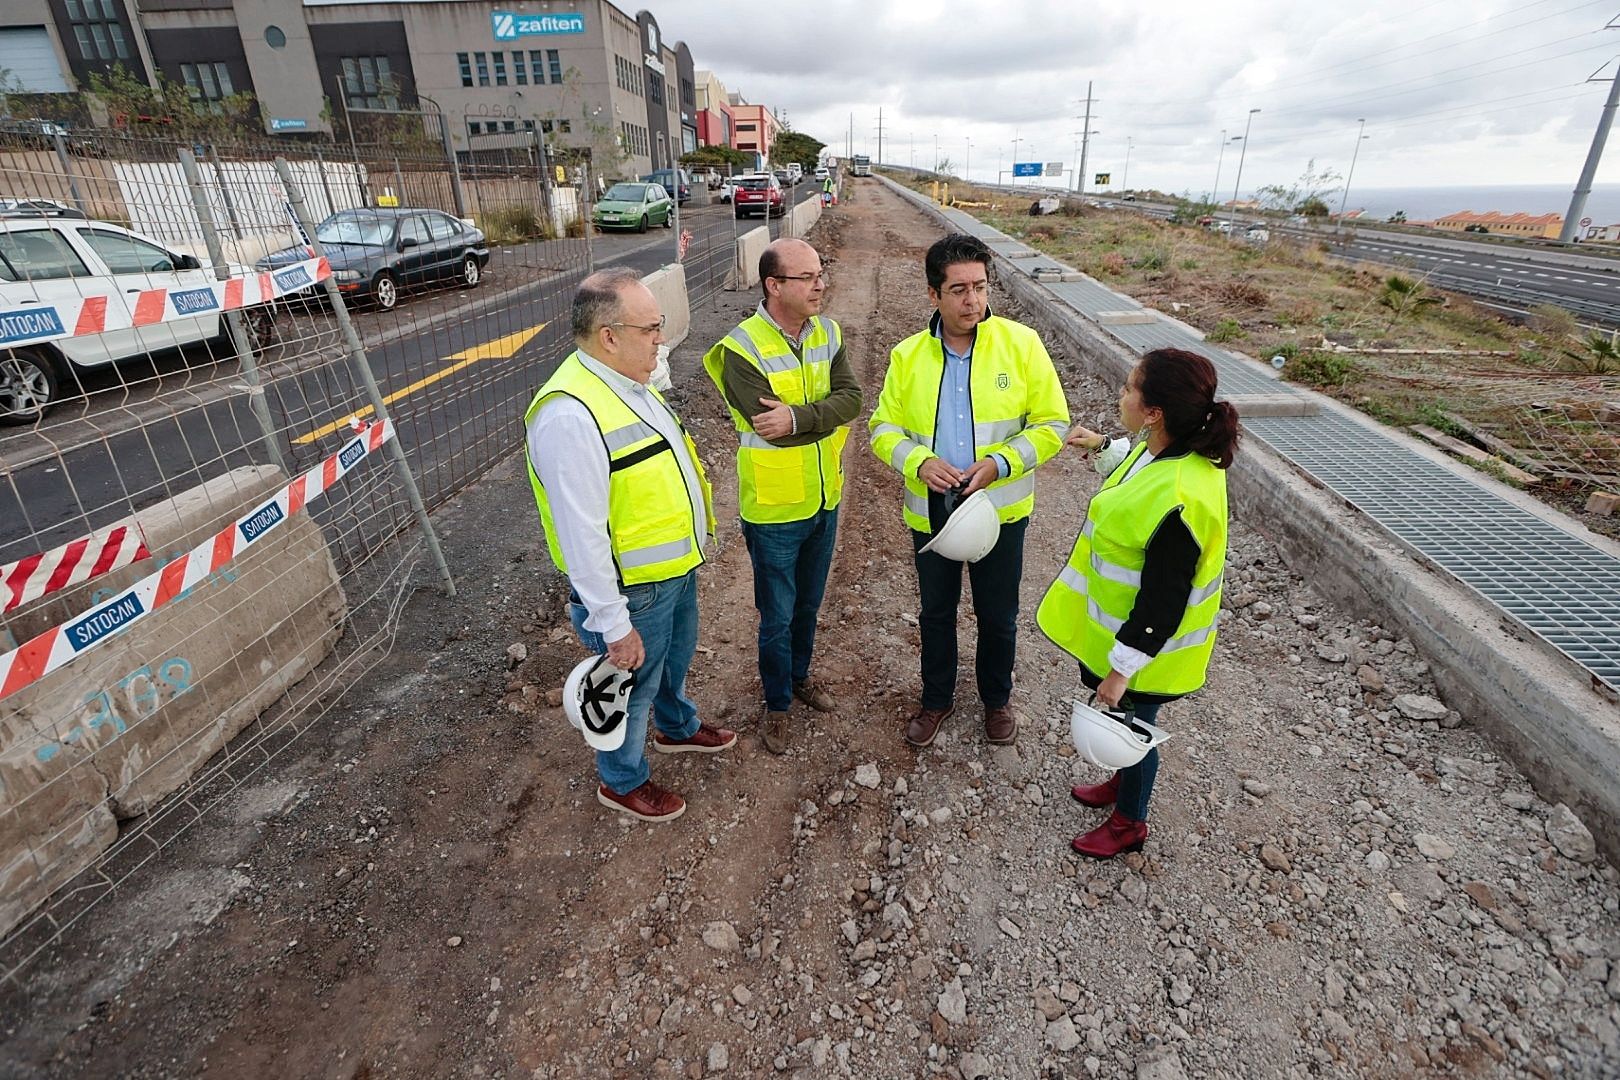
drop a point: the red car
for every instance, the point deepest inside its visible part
(758, 194)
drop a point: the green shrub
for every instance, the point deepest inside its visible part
(1226, 330)
(1323, 369)
(513, 225)
(1152, 259)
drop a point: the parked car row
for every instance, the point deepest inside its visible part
(631, 205)
(53, 257)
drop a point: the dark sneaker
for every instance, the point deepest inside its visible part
(706, 740)
(924, 726)
(649, 802)
(814, 696)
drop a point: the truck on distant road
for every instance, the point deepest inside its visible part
(860, 165)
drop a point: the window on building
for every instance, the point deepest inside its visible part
(207, 83)
(465, 60)
(500, 67)
(688, 94)
(483, 68)
(745, 127)
(554, 59)
(97, 30)
(509, 125)
(655, 88)
(368, 82)
(520, 69)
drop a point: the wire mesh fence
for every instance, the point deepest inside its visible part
(233, 381)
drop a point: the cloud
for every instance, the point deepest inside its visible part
(1451, 94)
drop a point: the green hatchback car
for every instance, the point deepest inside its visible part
(633, 206)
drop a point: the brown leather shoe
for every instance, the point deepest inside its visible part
(814, 696)
(775, 732)
(649, 802)
(924, 726)
(706, 740)
(1000, 724)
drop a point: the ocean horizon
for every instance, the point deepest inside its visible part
(1428, 203)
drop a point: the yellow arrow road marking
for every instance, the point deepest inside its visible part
(499, 349)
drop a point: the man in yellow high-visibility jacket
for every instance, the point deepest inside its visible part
(628, 515)
(972, 402)
(787, 381)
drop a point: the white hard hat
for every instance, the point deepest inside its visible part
(1112, 739)
(596, 699)
(970, 532)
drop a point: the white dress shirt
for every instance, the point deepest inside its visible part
(566, 448)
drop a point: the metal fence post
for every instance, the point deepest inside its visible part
(326, 186)
(399, 184)
(67, 170)
(455, 166)
(241, 341)
(590, 227)
(224, 190)
(357, 354)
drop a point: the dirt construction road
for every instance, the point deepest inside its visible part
(1342, 880)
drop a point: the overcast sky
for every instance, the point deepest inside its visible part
(1485, 92)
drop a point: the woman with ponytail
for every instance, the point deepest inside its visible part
(1137, 603)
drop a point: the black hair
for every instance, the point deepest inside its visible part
(952, 249)
(770, 265)
(1182, 385)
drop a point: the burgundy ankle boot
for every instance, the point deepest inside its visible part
(1116, 835)
(1097, 795)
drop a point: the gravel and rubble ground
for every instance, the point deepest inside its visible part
(1343, 878)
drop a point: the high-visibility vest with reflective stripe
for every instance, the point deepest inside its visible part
(1092, 598)
(1019, 412)
(650, 522)
(784, 483)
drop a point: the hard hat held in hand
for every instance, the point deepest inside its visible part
(970, 532)
(1112, 739)
(596, 698)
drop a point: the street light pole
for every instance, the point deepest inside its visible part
(1215, 192)
(1125, 180)
(1241, 155)
(1346, 199)
(1016, 141)
(967, 164)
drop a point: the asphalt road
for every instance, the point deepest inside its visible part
(1502, 279)
(458, 409)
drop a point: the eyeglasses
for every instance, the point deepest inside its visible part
(824, 277)
(655, 328)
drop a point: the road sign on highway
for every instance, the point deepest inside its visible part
(1586, 223)
(1026, 168)
(1054, 168)
(1103, 178)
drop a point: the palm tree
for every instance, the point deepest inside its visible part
(1599, 355)
(1403, 296)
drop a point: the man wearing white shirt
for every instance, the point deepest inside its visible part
(628, 517)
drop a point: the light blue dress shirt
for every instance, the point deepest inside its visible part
(953, 425)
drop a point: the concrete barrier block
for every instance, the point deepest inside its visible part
(668, 285)
(750, 246)
(1127, 317)
(114, 732)
(1251, 405)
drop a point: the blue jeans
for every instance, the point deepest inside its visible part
(1136, 782)
(665, 614)
(790, 574)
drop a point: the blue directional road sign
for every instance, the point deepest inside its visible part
(1026, 168)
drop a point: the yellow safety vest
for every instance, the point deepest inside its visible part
(784, 483)
(650, 522)
(1092, 598)
(1019, 412)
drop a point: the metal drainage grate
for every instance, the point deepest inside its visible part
(1557, 585)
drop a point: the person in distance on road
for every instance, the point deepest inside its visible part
(787, 381)
(970, 403)
(1138, 600)
(628, 515)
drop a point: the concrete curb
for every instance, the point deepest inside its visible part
(1543, 710)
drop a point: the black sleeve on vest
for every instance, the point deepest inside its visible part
(1167, 577)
